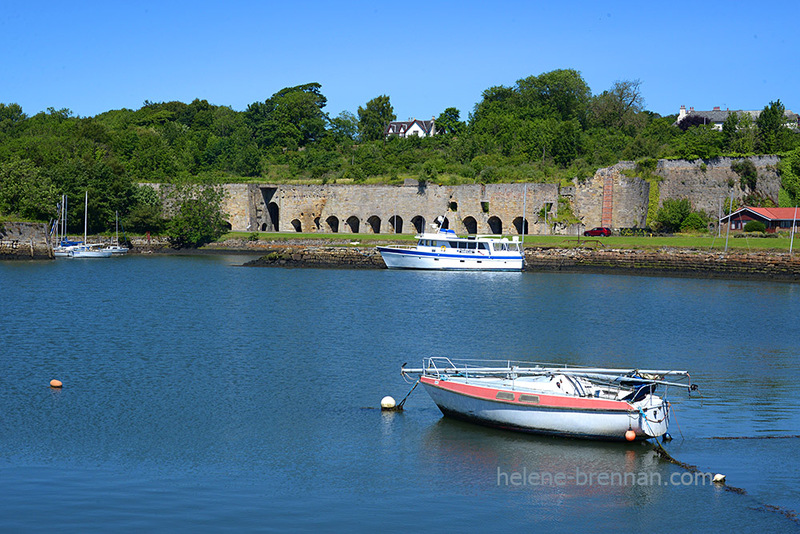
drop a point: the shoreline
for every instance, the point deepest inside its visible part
(767, 266)
(673, 262)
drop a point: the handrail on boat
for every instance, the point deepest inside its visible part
(440, 366)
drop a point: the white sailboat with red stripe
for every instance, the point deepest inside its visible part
(580, 402)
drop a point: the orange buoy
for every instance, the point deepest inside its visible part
(630, 435)
(55, 383)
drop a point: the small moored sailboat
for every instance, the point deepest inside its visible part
(86, 250)
(581, 402)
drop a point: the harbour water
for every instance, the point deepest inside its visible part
(201, 395)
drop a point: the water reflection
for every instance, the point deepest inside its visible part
(548, 466)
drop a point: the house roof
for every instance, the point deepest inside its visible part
(718, 115)
(769, 214)
(401, 127)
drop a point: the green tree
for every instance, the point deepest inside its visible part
(770, 124)
(739, 133)
(694, 222)
(11, 116)
(566, 142)
(561, 93)
(344, 126)
(789, 169)
(292, 117)
(198, 217)
(25, 192)
(448, 122)
(701, 141)
(146, 214)
(671, 214)
(619, 107)
(374, 118)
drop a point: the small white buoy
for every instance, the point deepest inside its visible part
(388, 403)
(719, 478)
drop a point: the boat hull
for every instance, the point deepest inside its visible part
(577, 417)
(90, 254)
(396, 258)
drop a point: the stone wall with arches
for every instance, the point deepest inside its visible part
(613, 194)
(385, 209)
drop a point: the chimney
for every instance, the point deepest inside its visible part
(716, 108)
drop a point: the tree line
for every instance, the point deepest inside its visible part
(548, 127)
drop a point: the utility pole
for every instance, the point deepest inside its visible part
(730, 213)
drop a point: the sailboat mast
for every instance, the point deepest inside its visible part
(64, 219)
(85, 216)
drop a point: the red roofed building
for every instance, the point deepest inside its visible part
(773, 218)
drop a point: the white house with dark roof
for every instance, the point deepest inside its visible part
(412, 127)
(716, 117)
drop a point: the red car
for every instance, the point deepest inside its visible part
(599, 231)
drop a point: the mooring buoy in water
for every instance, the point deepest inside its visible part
(719, 478)
(630, 435)
(55, 383)
(388, 403)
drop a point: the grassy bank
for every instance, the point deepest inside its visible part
(699, 242)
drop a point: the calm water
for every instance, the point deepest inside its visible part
(199, 395)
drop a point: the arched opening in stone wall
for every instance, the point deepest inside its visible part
(333, 224)
(445, 223)
(495, 225)
(374, 223)
(316, 224)
(264, 227)
(272, 222)
(297, 225)
(521, 225)
(418, 222)
(396, 222)
(353, 223)
(452, 205)
(471, 225)
(228, 226)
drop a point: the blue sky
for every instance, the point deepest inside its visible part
(91, 57)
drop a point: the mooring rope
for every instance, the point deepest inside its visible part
(659, 449)
(400, 405)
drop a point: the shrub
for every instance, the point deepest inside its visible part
(755, 226)
(694, 222)
(748, 175)
(673, 211)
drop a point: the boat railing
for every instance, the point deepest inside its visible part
(442, 366)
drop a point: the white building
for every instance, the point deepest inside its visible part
(716, 117)
(412, 127)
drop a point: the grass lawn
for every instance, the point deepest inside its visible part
(697, 242)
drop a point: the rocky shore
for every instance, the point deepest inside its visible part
(666, 262)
